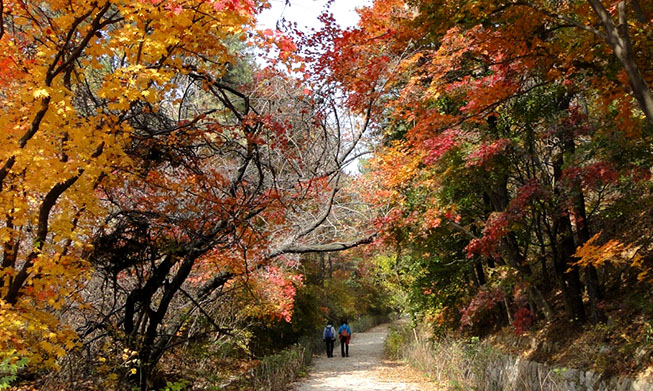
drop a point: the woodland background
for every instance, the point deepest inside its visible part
(174, 203)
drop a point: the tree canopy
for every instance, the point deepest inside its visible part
(159, 183)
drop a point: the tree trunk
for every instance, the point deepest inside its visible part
(582, 230)
(322, 271)
(594, 290)
(330, 265)
(150, 353)
(540, 302)
(571, 273)
(480, 274)
(617, 37)
(539, 234)
(563, 250)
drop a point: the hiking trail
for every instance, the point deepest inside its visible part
(364, 370)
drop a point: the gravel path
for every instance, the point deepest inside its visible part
(364, 370)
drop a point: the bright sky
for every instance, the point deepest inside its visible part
(305, 12)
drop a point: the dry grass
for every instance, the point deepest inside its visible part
(457, 365)
(277, 371)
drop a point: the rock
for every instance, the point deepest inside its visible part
(510, 373)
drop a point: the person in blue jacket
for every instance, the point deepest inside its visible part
(344, 331)
(329, 337)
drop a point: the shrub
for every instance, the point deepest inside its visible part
(9, 367)
(278, 370)
(524, 319)
(393, 344)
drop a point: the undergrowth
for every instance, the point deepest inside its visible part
(276, 371)
(462, 365)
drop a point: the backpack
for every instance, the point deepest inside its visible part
(344, 333)
(329, 332)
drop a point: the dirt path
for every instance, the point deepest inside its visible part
(364, 369)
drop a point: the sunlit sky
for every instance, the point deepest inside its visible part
(305, 12)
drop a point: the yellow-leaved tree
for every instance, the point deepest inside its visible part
(73, 75)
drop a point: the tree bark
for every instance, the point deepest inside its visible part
(150, 352)
(322, 248)
(480, 274)
(41, 235)
(619, 40)
(563, 250)
(582, 230)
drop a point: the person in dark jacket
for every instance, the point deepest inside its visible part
(344, 331)
(329, 338)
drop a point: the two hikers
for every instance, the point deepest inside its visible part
(329, 337)
(344, 331)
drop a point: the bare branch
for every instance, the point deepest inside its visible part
(323, 248)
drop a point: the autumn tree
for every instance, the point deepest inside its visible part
(500, 126)
(74, 74)
(233, 175)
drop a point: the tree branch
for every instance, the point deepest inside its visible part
(563, 18)
(323, 248)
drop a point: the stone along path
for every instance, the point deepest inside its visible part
(364, 370)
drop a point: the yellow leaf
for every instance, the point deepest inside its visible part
(41, 93)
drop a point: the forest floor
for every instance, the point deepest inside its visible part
(366, 368)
